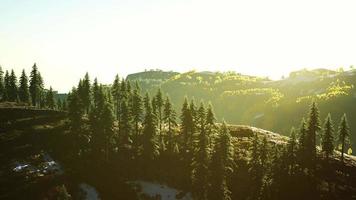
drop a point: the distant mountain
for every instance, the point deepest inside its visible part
(272, 105)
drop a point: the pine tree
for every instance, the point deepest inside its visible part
(125, 126)
(344, 134)
(169, 117)
(200, 163)
(292, 152)
(158, 101)
(24, 93)
(115, 91)
(328, 138)
(84, 92)
(302, 143)
(7, 86)
(312, 132)
(13, 93)
(75, 111)
(221, 165)
(50, 102)
(42, 96)
(136, 111)
(107, 121)
(210, 123)
(35, 86)
(186, 123)
(149, 139)
(2, 85)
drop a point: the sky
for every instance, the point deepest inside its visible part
(266, 38)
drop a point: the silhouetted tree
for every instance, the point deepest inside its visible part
(221, 165)
(12, 93)
(200, 163)
(344, 134)
(169, 117)
(35, 86)
(50, 101)
(328, 138)
(149, 140)
(24, 93)
(313, 128)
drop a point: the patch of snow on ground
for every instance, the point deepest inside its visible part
(90, 192)
(155, 189)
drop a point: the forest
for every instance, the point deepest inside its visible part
(132, 130)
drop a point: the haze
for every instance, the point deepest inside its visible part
(265, 38)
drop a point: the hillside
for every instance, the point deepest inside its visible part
(272, 105)
(36, 164)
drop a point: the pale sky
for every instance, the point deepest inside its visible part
(66, 38)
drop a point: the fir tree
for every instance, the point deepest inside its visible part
(200, 163)
(125, 126)
(292, 152)
(12, 93)
(35, 86)
(7, 86)
(136, 111)
(149, 140)
(24, 93)
(115, 91)
(344, 134)
(328, 138)
(210, 123)
(75, 111)
(312, 132)
(50, 102)
(221, 165)
(169, 117)
(255, 167)
(302, 143)
(158, 101)
(84, 92)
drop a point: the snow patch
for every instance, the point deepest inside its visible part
(161, 191)
(90, 191)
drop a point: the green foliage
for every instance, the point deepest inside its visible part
(343, 135)
(24, 93)
(328, 137)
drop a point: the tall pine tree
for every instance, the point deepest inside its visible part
(24, 93)
(328, 137)
(344, 134)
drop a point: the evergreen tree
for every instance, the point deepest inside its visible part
(312, 132)
(292, 152)
(210, 123)
(186, 123)
(158, 101)
(107, 121)
(344, 134)
(50, 102)
(328, 138)
(149, 140)
(84, 92)
(75, 111)
(221, 165)
(169, 117)
(24, 93)
(2, 85)
(7, 86)
(42, 96)
(12, 93)
(136, 111)
(200, 163)
(115, 91)
(302, 143)
(125, 136)
(35, 86)
(59, 104)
